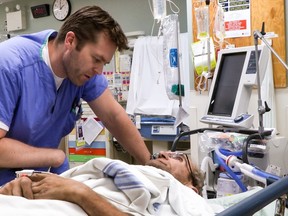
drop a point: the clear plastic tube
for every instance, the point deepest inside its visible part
(217, 151)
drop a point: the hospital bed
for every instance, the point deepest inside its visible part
(271, 197)
(174, 202)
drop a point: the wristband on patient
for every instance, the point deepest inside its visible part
(27, 172)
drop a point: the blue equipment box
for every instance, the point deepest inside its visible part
(161, 129)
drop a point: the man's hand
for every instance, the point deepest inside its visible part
(18, 187)
(43, 186)
(50, 186)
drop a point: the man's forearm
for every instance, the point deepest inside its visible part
(48, 186)
(93, 204)
(13, 154)
(129, 137)
(116, 120)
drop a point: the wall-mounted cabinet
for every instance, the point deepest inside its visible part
(16, 20)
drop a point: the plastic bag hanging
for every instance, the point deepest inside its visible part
(174, 88)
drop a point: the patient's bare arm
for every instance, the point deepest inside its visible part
(46, 186)
(18, 187)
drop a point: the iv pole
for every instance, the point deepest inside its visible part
(208, 38)
(261, 108)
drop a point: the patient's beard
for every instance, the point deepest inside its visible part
(158, 164)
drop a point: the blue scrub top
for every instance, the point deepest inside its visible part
(30, 105)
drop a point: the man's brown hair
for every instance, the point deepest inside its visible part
(87, 23)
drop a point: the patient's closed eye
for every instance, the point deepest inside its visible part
(173, 155)
(178, 157)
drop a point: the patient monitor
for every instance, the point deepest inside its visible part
(231, 87)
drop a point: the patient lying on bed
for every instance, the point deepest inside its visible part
(168, 185)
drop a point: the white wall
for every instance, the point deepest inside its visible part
(282, 111)
(132, 15)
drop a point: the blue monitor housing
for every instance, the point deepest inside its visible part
(234, 77)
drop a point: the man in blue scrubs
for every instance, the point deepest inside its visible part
(43, 76)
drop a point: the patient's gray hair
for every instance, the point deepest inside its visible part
(197, 177)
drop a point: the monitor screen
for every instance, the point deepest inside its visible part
(234, 77)
(226, 85)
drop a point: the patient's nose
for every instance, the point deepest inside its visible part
(163, 154)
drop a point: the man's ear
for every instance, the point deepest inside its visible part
(70, 38)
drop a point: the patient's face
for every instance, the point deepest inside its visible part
(175, 164)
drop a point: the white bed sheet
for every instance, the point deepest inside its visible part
(19, 206)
